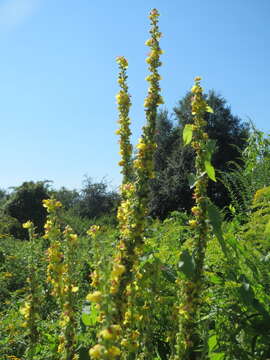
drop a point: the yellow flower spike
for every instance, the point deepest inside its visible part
(190, 291)
(133, 210)
(124, 103)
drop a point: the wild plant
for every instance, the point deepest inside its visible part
(31, 308)
(120, 336)
(61, 275)
(192, 261)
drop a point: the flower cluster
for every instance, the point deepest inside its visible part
(191, 288)
(146, 146)
(124, 103)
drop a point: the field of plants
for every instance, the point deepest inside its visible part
(193, 285)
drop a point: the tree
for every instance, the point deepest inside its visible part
(169, 190)
(3, 197)
(95, 199)
(173, 162)
(25, 203)
(69, 198)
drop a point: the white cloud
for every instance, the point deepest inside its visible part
(15, 12)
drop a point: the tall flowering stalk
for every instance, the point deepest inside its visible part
(31, 308)
(124, 103)
(119, 337)
(61, 275)
(133, 210)
(68, 320)
(188, 340)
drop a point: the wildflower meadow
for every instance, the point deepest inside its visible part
(193, 285)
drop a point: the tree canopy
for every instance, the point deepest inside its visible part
(173, 162)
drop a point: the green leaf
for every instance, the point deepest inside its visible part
(216, 221)
(217, 356)
(214, 218)
(191, 180)
(209, 109)
(210, 170)
(212, 342)
(246, 293)
(169, 274)
(89, 315)
(86, 319)
(187, 134)
(214, 279)
(187, 264)
(84, 354)
(210, 147)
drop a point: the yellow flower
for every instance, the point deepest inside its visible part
(96, 351)
(141, 146)
(61, 348)
(116, 329)
(113, 289)
(106, 334)
(73, 237)
(149, 42)
(7, 274)
(193, 223)
(51, 204)
(94, 297)
(122, 98)
(27, 225)
(122, 61)
(137, 164)
(25, 310)
(94, 229)
(114, 351)
(118, 270)
(74, 289)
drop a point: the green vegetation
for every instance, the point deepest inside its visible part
(170, 268)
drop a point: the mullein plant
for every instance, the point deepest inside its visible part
(31, 308)
(119, 337)
(192, 262)
(61, 274)
(111, 330)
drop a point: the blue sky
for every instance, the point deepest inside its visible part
(58, 76)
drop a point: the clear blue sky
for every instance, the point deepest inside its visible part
(58, 76)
